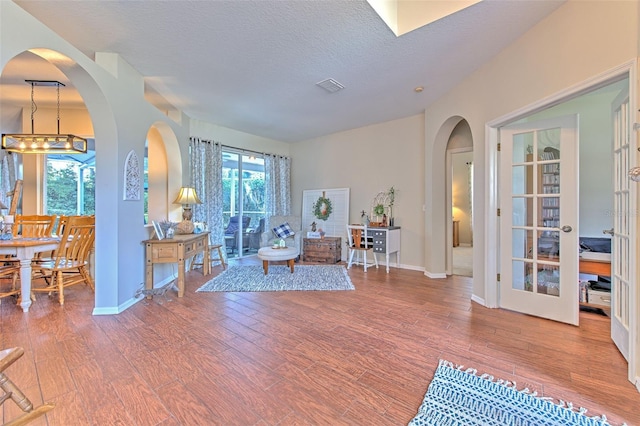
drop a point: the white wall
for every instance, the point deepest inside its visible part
(369, 160)
(237, 139)
(157, 177)
(576, 42)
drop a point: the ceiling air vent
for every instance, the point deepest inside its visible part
(330, 85)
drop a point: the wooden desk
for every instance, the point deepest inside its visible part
(24, 249)
(386, 241)
(595, 267)
(176, 250)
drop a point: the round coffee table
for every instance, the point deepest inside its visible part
(270, 254)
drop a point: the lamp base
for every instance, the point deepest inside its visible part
(186, 213)
(185, 227)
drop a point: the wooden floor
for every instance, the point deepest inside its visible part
(362, 357)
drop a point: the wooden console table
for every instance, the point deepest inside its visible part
(175, 250)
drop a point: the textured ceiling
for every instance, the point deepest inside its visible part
(253, 65)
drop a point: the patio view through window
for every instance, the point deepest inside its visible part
(243, 196)
(70, 184)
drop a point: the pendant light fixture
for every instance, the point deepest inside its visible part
(39, 143)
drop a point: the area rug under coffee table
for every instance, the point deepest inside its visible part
(280, 278)
(458, 396)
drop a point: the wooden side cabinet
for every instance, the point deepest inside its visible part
(325, 250)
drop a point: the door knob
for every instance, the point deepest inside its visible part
(608, 231)
(566, 228)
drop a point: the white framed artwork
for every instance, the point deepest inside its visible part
(314, 209)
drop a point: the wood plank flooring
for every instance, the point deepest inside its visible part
(362, 357)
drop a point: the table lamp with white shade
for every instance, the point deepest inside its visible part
(187, 196)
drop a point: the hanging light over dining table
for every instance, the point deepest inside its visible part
(41, 143)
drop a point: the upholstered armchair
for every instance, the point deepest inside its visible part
(295, 222)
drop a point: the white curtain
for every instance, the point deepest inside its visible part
(277, 185)
(206, 178)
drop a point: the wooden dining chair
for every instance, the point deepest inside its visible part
(69, 264)
(359, 242)
(11, 392)
(10, 270)
(60, 223)
(34, 226)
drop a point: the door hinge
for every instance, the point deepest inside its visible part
(498, 277)
(498, 212)
(499, 146)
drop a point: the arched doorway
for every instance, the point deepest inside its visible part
(81, 96)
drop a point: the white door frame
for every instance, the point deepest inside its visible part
(449, 204)
(492, 239)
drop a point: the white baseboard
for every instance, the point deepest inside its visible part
(105, 311)
(410, 267)
(118, 309)
(114, 310)
(438, 275)
(478, 300)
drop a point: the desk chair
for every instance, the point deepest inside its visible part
(359, 242)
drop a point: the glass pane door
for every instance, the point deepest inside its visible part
(536, 212)
(243, 197)
(536, 227)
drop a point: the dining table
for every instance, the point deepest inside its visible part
(24, 249)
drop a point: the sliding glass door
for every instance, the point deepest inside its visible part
(244, 209)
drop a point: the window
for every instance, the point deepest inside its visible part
(70, 184)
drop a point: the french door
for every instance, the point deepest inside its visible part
(539, 218)
(621, 243)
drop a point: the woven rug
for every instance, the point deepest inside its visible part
(460, 397)
(280, 278)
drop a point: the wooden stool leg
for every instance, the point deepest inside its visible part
(224, 266)
(291, 263)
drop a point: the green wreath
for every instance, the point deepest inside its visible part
(322, 208)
